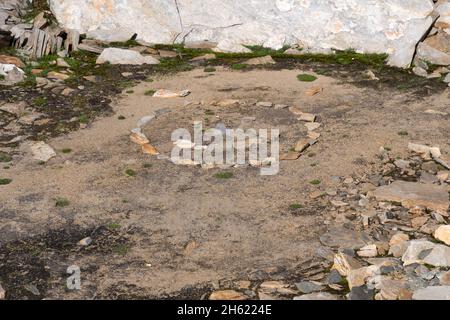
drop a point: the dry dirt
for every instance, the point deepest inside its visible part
(174, 231)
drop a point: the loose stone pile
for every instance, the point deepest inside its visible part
(388, 238)
(390, 230)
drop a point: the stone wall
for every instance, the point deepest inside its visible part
(371, 26)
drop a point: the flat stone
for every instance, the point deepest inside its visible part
(334, 277)
(432, 293)
(227, 295)
(206, 57)
(426, 252)
(290, 156)
(361, 293)
(411, 194)
(167, 54)
(265, 104)
(260, 61)
(443, 234)
(318, 296)
(164, 93)
(307, 117)
(5, 59)
(312, 126)
(368, 251)
(57, 75)
(302, 145)
(341, 237)
(309, 286)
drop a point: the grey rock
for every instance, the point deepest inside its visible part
(361, 293)
(334, 277)
(309, 286)
(318, 296)
(341, 237)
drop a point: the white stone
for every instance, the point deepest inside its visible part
(124, 56)
(432, 293)
(368, 251)
(426, 252)
(42, 151)
(386, 26)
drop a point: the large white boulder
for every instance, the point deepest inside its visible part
(124, 56)
(383, 26)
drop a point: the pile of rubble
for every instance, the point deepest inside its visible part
(388, 237)
(390, 231)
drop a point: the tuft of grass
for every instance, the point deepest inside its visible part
(295, 206)
(5, 181)
(40, 101)
(306, 77)
(66, 150)
(130, 172)
(403, 133)
(114, 226)
(209, 112)
(150, 92)
(62, 202)
(315, 182)
(209, 69)
(121, 117)
(224, 175)
(83, 118)
(239, 66)
(130, 91)
(120, 249)
(4, 157)
(148, 165)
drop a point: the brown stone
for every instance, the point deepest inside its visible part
(302, 145)
(139, 138)
(344, 264)
(227, 295)
(149, 149)
(12, 60)
(411, 194)
(291, 155)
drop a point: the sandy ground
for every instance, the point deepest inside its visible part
(175, 228)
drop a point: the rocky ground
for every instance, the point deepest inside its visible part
(359, 209)
(324, 227)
